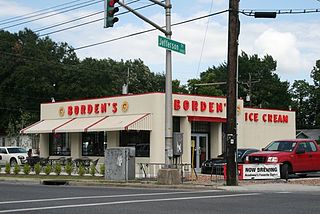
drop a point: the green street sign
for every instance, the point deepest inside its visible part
(171, 45)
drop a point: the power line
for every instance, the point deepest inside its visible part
(27, 15)
(146, 31)
(77, 19)
(54, 14)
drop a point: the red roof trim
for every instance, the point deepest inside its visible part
(207, 119)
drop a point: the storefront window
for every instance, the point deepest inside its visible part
(93, 144)
(138, 139)
(59, 144)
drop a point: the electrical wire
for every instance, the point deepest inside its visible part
(149, 30)
(27, 15)
(204, 39)
(50, 15)
(77, 19)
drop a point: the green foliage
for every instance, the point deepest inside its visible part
(16, 169)
(7, 168)
(37, 168)
(81, 170)
(26, 169)
(68, 168)
(48, 169)
(92, 169)
(57, 169)
(102, 169)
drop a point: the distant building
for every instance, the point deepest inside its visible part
(309, 133)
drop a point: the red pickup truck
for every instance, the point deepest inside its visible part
(295, 156)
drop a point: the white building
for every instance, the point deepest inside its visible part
(86, 127)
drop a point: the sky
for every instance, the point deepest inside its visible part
(291, 39)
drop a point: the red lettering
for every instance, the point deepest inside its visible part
(203, 106)
(114, 107)
(90, 108)
(280, 118)
(194, 106)
(70, 110)
(246, 116)
(264, 117)
(275, 118)
(270, 118)
(176, 105)
(219, 107)
(186, 105)
(103, 107)
(211, 107)
(285, 118)
(83, 109)
(256, 119)
(251, 116)
(76, 110)
(96, 108)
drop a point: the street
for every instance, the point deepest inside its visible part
(36, 198)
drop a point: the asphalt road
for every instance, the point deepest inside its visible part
(36, 198)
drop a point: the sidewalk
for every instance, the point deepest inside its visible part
(203, 182)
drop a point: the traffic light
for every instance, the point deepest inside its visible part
(110, 10)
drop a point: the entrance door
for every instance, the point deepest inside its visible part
(199, 152)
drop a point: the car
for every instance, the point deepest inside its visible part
(295, 156)
(215, 165)
(13, 155)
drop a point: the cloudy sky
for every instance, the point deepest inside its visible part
(292, 39)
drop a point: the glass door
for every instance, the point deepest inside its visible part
(199, 150)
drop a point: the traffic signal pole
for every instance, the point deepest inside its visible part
(232, 94)
(168, 87)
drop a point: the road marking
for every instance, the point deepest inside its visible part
(126, 202)
(282, 192)
(103, 196)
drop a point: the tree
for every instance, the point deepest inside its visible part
(267, 91)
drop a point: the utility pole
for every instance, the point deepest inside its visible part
(232, 95)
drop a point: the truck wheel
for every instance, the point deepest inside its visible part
(284, 172)
(13, 162)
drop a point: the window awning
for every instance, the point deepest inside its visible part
(123, 122)
(92, 124)
(45, 126)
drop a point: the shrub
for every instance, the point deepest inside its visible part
(57, 169)
(92, 169)
(7, 168)
(68, 168)
(82, 170)
(48, 169)
(102, 169)
(37, 168)
(16, 169)
(26, 169)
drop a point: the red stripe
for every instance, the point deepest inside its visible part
(53, 130)
(22, 131)
(86, 129)
(207, 119)
(127, 126)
